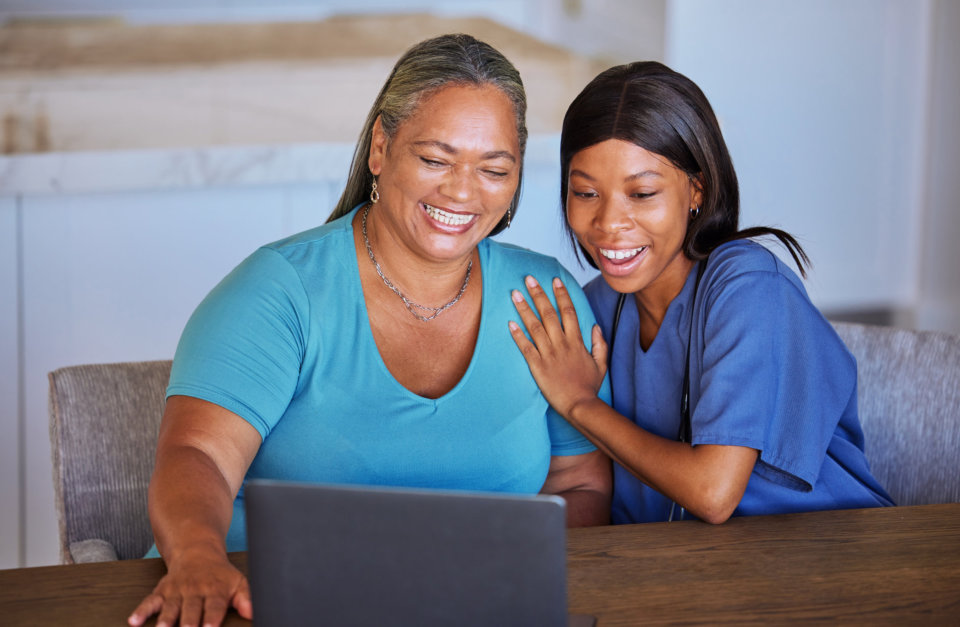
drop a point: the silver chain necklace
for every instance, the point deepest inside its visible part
(411, 306)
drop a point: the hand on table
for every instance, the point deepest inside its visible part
(198, 589)
(566, 373)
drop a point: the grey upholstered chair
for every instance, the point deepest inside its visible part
(909, 401)
(104, 420)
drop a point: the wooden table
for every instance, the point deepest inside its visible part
(890, 565)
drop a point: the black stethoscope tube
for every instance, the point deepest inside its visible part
(685, 433)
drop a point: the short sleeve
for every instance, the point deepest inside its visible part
(243, 346)
(564, 437)
(774, 376)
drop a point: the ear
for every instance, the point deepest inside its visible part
(378, 147)
(696, 191)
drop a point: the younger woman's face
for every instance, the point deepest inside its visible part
(629, 209)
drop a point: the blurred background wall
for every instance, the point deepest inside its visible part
(147, 147)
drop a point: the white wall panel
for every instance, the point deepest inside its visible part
(308, 206)
(9, 392)
(939, 306)
(822, 105)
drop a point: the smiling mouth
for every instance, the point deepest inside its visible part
(452, 219)
(622, 254)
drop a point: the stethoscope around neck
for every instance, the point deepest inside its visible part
(684, 433)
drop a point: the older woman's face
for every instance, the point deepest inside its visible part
(449, 173)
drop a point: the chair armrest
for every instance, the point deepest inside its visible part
(94, 550)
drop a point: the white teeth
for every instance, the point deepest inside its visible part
(620, 254)
(453, 219)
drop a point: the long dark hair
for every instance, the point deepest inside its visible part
(430, 65)
(664, 112)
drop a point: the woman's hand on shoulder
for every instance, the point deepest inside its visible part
(566, 373)
(198, 589)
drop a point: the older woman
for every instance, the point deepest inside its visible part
(372, 349)
(732, 394)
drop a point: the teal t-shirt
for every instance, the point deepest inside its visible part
(284, 341)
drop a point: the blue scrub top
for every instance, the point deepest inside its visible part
(767, 371)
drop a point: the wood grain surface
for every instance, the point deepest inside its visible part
(879, 566)
(890, 565)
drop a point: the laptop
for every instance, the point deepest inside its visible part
(355, 555)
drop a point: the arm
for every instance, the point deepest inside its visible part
(585, 483)
(203, 453)
(708, 480)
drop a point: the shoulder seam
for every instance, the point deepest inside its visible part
(303, 288)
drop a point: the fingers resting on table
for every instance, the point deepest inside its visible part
(196, 595)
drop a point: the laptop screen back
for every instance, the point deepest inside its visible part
(351, 555)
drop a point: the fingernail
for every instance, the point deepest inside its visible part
(513, 326)
(531, 282)
(557, 282)
(516, 296)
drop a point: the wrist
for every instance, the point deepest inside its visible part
(200, 548)
(579, 410)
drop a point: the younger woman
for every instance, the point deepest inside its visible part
(732, 395)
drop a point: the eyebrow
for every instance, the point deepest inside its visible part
(447, 148)
(632, 177)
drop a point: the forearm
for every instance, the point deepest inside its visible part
(190, 507)
(190, 502)
(707, 480)
(637, 450)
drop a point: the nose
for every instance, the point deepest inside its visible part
(611, 217)
(459, 184)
